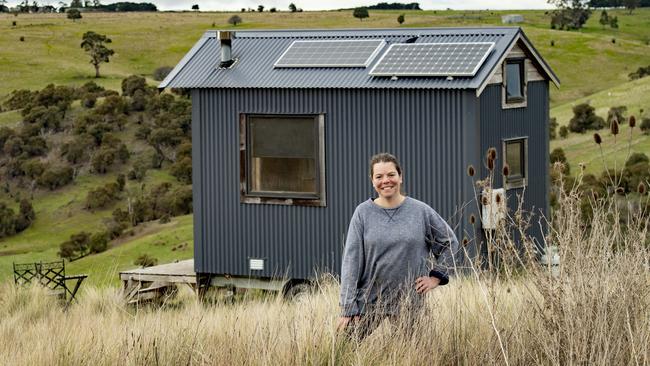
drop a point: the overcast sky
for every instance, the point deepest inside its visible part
(222, 5)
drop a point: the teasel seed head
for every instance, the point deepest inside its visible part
(632, 121)
(498, 198)
(506, 170)
(492, 153)
(472, 219)
(470, 170)
(597, 138)
(641, 188)
(613, 127)
(484, 201)
(490, 164)
(465, 242)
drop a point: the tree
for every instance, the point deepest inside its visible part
(585, 118)
(631, 5)
(564, 132)
(400, 19)
(360, 13)
(552, 128)
(195, 7)
(234, 20)
(76, 4)
(570, 14)
(613, 22)
(604, 18)
(558, 156)
(260, 8)
(293, 8)
(93, 44)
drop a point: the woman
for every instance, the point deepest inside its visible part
(386, 257)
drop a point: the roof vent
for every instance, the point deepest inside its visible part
(225, 38)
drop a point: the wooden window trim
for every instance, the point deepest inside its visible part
(276, 198)
(508, 103)
(516, 182)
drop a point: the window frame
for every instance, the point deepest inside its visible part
(247, 195)
(514, 102)
(510, 182)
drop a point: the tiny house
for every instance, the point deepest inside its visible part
(285, 121)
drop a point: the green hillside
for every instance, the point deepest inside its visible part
(590, 66)
(51, 53)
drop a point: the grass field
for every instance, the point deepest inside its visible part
(145, 41)
(594, 309)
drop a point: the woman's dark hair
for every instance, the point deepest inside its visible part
(385, 158)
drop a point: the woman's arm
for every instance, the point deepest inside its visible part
(444, 246)
(352, 267)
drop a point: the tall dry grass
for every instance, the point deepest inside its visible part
(594, 310)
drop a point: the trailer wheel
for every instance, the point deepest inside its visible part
(298, 291)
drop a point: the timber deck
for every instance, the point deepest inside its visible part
(179, 272)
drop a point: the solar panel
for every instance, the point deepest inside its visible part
(433, 59)
(334, 53)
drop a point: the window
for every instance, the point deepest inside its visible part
(515, 152)
(283, 159)
(514, 80)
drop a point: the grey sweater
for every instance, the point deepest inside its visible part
(386, 250)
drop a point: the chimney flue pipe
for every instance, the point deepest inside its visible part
(225, 38)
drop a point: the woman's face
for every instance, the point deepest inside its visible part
(386, 179)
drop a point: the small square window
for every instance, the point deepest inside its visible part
(514, 81)
(515, 153)
(283, 159)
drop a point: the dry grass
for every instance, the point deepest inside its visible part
(595, 310)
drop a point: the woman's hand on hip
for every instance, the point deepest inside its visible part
(426, 283)
(344, 321)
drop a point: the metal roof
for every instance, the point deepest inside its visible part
(257, 51)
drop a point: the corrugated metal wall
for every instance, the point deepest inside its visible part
(424, 128)
(498, 124)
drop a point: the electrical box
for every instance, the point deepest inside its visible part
(493, 202)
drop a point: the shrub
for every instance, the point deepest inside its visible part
(552, 128)
(645, 125)
(161, 73)
(102, 160)
(182, 170)
(32, 168)
(100, 197)
(361, 13)
(400, 19)
(138, 101)
(5, 134)
(115, 229)
(139, 169)
(557, 155)
(142, 133)
(618, 113)
(91, 87)
(55, 177)
(234, 20)
(77, 150)
(98, 243)
(132, 84)
(121, 182)
(145, 260)
(636, 158)
(13, 147)
(89, 100)
(76, 247)
(19, 99)
(123, 153)
(585, 119)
